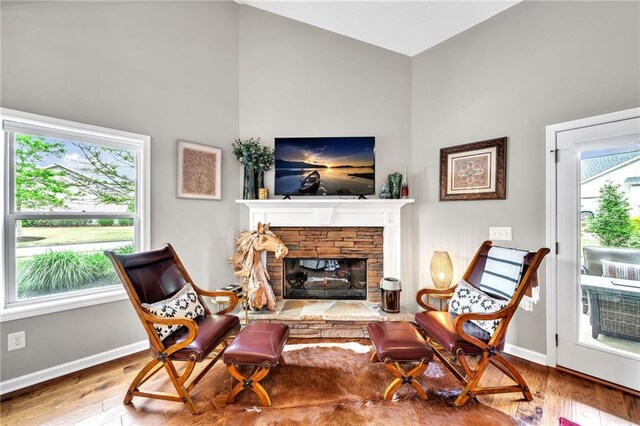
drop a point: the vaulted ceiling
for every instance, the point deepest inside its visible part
(407, 27)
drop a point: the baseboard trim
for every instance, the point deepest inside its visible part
(527, 354)
(70, 367)
(600, 381)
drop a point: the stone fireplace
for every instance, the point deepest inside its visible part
(330, 241)
(338, 263)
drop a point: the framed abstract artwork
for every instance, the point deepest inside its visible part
(199, 171)
(474, 171)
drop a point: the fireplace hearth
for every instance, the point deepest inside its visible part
(334, 279)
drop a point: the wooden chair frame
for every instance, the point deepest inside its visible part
(403, 377)
(458, 364)
(162, 359)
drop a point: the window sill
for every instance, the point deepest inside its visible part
(11, 313)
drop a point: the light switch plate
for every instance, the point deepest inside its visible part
(501, 233)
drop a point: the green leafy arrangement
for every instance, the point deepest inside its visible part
(251, 154)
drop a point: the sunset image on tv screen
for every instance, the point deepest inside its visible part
(325, 166)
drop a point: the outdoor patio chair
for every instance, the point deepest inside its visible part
(166, 301)
(454, 338)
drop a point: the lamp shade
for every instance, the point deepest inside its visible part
(441, 269)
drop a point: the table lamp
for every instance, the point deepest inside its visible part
(441, 269)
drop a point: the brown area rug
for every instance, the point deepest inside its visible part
(336, 384)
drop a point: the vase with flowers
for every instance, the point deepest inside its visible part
(256, 160)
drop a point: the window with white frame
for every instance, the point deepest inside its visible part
(72, 191)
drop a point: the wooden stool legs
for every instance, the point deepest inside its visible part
(251, 381)
(403, 377)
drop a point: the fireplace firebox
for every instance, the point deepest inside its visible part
(335, 243)
(325, 278)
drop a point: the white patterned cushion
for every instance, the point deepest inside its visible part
(468, 299)
(625, 271)
(183, 304)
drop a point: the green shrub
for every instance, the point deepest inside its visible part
(102, 265)
(55, 223)
(634, 240)
(55, 272)
(58, 270)
(128, 249)
(105, 222)
(125, 222)
(611, 223)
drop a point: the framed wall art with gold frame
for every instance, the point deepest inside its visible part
(474, 171)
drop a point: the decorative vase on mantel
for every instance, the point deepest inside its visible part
(249, 191)
(394, 184)
(384, 191)
(259, 179)
(256, 160)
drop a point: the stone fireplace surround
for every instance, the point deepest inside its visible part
(330, 242)
(337, 221)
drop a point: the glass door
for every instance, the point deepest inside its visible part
(598, 260)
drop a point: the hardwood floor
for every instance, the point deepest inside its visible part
(94, 397)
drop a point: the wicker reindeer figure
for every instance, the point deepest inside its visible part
(247, 263)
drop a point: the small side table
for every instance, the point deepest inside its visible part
(220, 302)
(441, 298)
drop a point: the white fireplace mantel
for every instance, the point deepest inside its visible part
(337, 212)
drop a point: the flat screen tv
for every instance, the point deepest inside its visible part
(325, 166)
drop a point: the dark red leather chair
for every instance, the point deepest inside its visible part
(451, 334)
(157, 275)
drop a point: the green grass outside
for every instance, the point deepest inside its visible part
(587, 241)
(76, 235)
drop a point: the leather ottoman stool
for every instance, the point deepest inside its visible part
(397, 342)
(258, 346)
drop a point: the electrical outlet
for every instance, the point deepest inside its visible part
(502, 233)
(17, 340)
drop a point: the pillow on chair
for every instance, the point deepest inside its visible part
(625, 271)
(502, 271)
(183, 304)
(468, 299)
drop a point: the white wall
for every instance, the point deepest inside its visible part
(168, 70)
(299, 80)
(535, 64)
